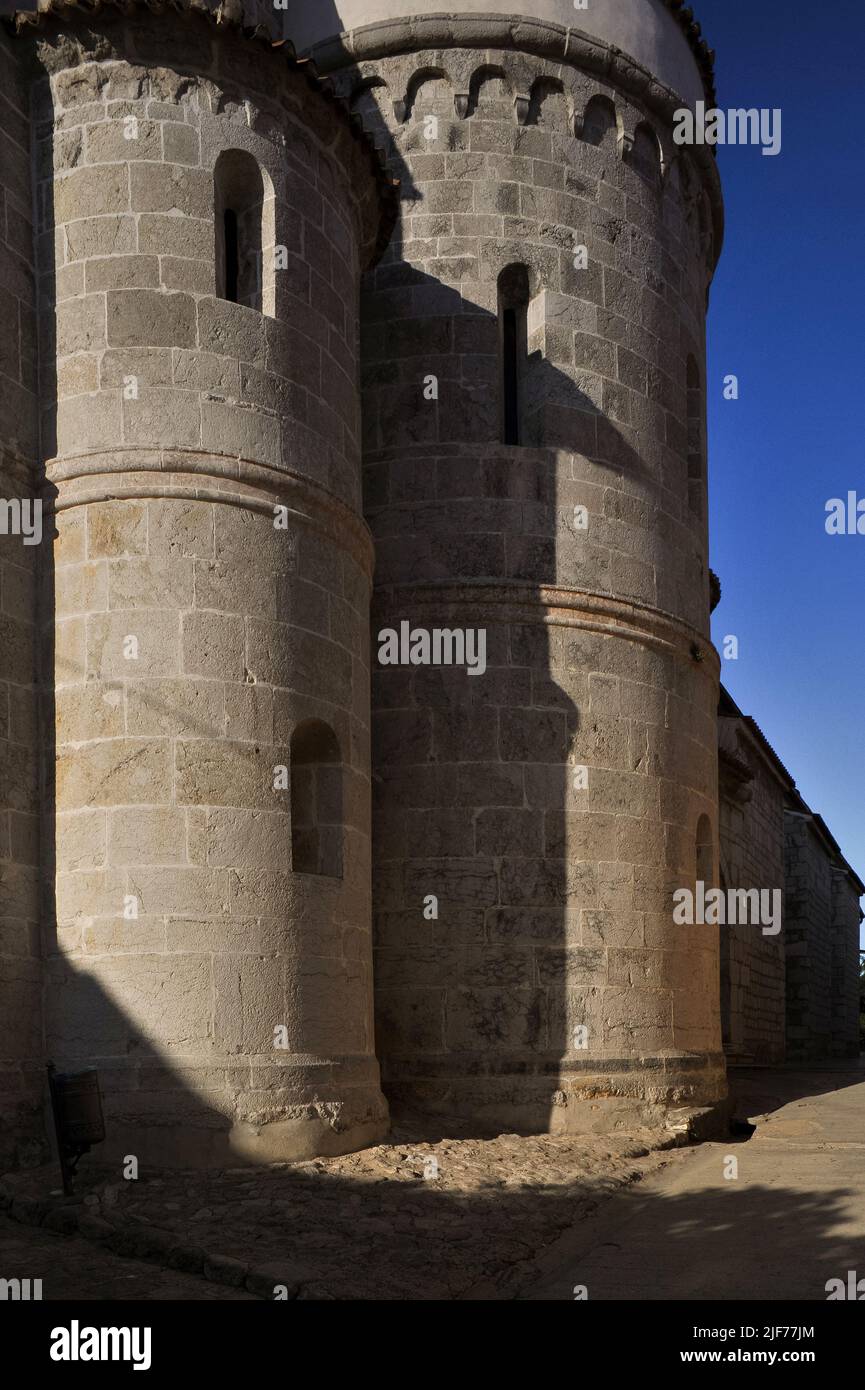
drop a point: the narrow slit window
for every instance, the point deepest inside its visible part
(705, 852)
(510, 377)
(513, 334)
(232, 268)
(244, 225)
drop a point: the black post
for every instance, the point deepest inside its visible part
(76, 1104)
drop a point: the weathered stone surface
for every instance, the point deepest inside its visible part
(208, 825)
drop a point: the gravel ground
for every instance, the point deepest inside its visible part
(409, 1219)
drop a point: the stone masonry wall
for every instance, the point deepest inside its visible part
(192, 636)
(808, 937)
(753, 965)
(553, 898)
(846, 919)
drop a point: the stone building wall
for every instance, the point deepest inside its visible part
(21, 1061)
(846, 920)
(752, 856)
(822, 936)
(553, 899)
(199, 626)
(808, 937)
(212, 960)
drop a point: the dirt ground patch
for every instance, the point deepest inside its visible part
(415, 1218)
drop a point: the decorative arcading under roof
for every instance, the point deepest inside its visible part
(247, 19)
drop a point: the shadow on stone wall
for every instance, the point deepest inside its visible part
(474, 799)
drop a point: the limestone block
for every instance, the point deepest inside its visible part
(70, 651)
(247, 839)
(505, 1018)
(91, 236)
(116, 528)
(70, 538)
(410, 1022)
(179, 891)
(91, 192)
(86, 894)
(193, 708)
(150, 582)
(248, 1005)
(121, 272)
(85, 423)
(84, 589)
(247, 434)
(213, 645)
(180, 528)
(171, 188)
(175, 234)
(127, 770)
(219, 773)
(106, 936)
(78, 375)
(146, 835)
(83, 835)
(89, 711)
(150, 318)
(80, 324)
(133, 644)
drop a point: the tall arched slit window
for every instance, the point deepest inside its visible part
(513, 287)
(705, 853)
(316, 800)
(244, 216)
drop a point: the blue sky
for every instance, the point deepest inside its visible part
(787, 316)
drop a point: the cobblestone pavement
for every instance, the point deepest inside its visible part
(409, 1219)
(71, 1268)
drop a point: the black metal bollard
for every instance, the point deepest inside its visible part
(76, 1103)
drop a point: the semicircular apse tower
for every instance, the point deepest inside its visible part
(535, 472)
(205, 209)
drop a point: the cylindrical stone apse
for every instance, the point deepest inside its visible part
(535, 465)
(203, 229)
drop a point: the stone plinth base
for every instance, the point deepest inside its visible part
(569, 1098)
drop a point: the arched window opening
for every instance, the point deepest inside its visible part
(244, 217)
(513, 289)
(600, 126)
(646, 154)
(548, 106)
(316, 800)
(696, 468)
(705, 853)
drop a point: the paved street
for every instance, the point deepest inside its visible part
(793, 1218)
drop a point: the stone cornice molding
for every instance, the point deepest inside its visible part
(559, 607)
(148, 474)
(540, 38)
